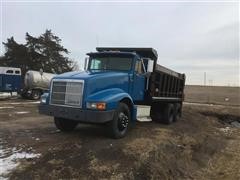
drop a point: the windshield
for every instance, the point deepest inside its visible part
(110, 63)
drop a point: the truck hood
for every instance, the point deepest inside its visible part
(86, 75)
(96, 81)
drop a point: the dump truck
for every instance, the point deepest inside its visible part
(114, 82)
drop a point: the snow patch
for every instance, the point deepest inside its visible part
(9, 159)
(7, 107)
(226, 130)
(22, 112)
(15, 103)
(19, 103)
(35, 102)
(235, 124)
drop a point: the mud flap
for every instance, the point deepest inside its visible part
(134, 114)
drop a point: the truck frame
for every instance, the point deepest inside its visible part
(114, 82)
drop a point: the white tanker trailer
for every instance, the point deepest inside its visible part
(35, 83)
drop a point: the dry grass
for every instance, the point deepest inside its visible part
(213, 94)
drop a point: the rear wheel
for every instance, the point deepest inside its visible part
(168, 113)
(156, 112)
(162, 113)
(65, 125)
(24, 95)
(35, 95)
(178, 111)
(118, 127)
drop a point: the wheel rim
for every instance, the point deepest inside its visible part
(122, 121)
(35, 95)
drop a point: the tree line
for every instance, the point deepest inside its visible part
(43, 52)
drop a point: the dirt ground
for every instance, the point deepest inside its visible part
(202, 145)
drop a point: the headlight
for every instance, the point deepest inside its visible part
(96, 105)
(43, 99)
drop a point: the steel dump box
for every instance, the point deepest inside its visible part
(166, 84)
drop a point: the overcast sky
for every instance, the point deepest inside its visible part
(190, 37)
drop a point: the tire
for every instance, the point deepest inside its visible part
(35, 95)
(177, 112)
(168, 113)
(65, 125)
(156, 112)
(119, 126)
(24, 95)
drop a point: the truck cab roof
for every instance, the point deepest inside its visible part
(143, 52)
(116, 53)
(10, 70)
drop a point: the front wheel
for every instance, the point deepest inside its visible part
(65, 125)
(118, 127)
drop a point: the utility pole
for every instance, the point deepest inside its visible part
(205, 78)
(210, 82)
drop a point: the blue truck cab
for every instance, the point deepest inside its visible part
(10, 79)
(114, 81)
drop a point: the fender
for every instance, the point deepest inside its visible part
(110, 96)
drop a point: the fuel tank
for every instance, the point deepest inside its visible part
(37, 80)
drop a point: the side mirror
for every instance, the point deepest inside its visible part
(150, 66)
(41, 71)
(86, 63)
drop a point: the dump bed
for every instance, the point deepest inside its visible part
(166, 84)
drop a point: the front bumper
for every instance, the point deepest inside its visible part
(87, 116)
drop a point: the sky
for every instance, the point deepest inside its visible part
(191, 37)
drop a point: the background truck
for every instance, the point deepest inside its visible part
(32, 86)
(10, 79)
(115, 80)
(35, 84)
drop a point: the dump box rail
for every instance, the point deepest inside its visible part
(166, 84)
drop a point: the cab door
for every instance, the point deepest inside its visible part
(9, 80)
(138, 81)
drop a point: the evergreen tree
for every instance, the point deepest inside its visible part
(16, 55)
(2, 61)
(44, 52)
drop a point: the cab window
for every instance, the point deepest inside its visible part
(95, 64)
(9, 72)
(139, 67)
(111, 63)
(17, 72)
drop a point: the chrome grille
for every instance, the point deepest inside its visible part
(67, 92)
